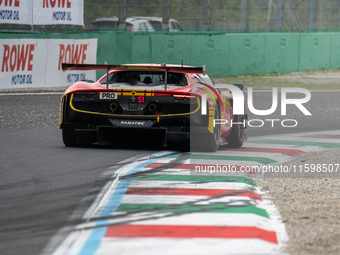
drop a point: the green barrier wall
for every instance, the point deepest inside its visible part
(223, 54)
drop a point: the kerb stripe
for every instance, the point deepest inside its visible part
(302, 143)
(195, 178)
(167, 231)
(192, 192)
(262, 160)
(288, 152)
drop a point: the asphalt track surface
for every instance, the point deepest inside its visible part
(42, 182)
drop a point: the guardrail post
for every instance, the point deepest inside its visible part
(312, 10)
(122, 15)
(243, 15)
(279, 15)
(166, 15)
(206, 15)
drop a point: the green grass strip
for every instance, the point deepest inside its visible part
(215, 208)
(262, 160)
(302, 143)
(194, 178)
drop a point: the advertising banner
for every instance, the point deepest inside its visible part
(27, 63)
(42, 12)
(23, 63)
(58, 12)
(15, 12)
(70, 51)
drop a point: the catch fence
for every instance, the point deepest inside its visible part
(228, 15)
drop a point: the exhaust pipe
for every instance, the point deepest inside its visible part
(113, 107)
(152, 107)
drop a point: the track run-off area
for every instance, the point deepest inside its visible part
(192, 202)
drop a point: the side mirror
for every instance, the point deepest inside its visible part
(240, 86)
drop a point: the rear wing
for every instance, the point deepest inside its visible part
(155, 67)
(139, 67)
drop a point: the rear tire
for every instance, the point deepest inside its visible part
(208, 142)
(69, 137)
(237, 134)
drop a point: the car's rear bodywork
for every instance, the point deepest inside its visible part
(145, 103)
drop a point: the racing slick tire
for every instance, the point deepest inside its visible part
(69, 137)
(208, 142)
(237, 134)
(212, 141)
(73, 139)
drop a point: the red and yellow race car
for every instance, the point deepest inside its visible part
(147, 103)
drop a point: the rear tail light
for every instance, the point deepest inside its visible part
(183, 96)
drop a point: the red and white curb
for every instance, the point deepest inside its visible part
(158, 205)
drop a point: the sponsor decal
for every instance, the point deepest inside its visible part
(55, 3)
(72, 53)
(37, 62)
(108, 95)
(59, 15)
(43, 12)
(74, 77)
(56, 12)
(132, 122)
(6, 3)
(76, 52)
(9, 14)
(18, 58)
(15, 12)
